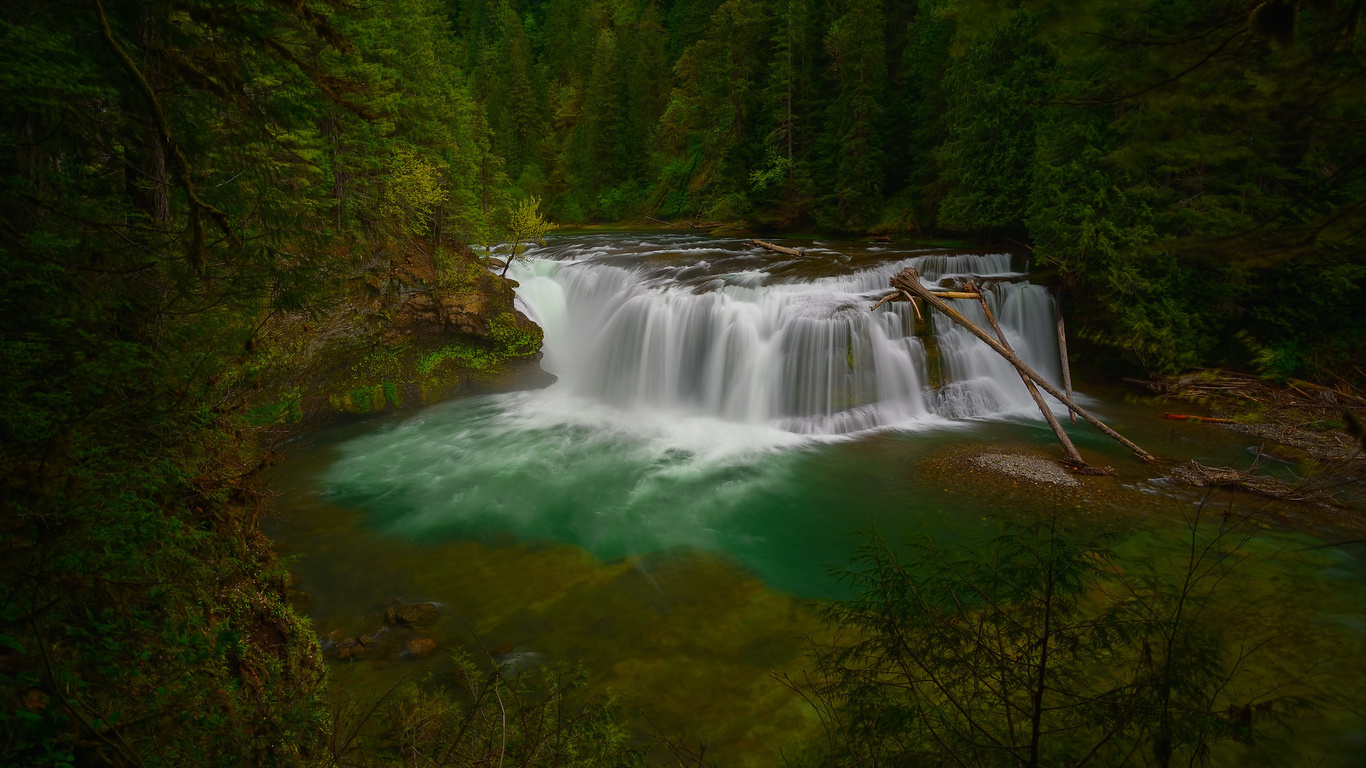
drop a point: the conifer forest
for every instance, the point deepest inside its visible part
(819, 383)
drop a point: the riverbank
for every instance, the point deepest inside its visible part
(408, 327)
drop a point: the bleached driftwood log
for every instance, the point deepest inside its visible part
(907, 284)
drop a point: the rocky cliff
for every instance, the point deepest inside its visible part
(405, 329)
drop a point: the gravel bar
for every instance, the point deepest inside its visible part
(1034, 468)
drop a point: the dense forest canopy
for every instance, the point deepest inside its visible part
(1194, 169)
(172, 172)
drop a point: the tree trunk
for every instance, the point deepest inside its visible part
(150, 182)
(778, 248)
(1062, 353)
(1069, 451)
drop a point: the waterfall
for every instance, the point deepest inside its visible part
(722, 330)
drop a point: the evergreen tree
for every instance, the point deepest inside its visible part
(856, 47)
(519, 120)
(921, 116)
(162, 186)
(603, 123)
(785, 176)
(986, 159)
(648, 83)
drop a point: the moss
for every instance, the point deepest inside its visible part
(460, 274)
(464, 354)
(933, 364)
(1327, 425)
(365, 399)
(288, 411)
(517, 339)
(380, 364)
(354, 370)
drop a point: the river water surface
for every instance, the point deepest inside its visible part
(726, 426)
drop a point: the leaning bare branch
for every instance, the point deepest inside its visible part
(908, 281)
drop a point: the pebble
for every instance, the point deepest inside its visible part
(1034, 468)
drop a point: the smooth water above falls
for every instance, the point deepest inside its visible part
(725, 425)
(723, 330)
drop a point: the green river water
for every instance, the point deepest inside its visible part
(673, 554)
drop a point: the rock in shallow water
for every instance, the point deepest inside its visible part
(415, 615)
(349, 648)
(420, 648)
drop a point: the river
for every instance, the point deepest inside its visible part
(726, 425)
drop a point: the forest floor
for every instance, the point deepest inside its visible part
(1303, 422)
(1317, 431)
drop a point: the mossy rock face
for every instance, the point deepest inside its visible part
(517, 335)
(404, 331)
(286, 412)
(934, 366)
(365, 399)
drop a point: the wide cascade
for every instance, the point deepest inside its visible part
(725, 330)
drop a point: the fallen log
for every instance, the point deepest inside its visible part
(940, 294)
(778, 248)
(1297, 383)
(1062, 353)
(661, 221)
(1185, 417)
(1070, 455)
(1201, 476)
(908, 280)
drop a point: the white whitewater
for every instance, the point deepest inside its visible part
(722, 330)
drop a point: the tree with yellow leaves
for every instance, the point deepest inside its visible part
(526, 226)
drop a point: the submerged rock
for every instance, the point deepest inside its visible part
(349, 648)
(420, 648)
(415, 615)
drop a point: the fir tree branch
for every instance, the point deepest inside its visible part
(197, 205)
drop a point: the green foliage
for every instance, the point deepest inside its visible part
(526, 227)
(171, 176)
(413, 194)
(855, 45)
(495, 714)
(986, 160)
(1035, 649)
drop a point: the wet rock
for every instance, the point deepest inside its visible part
(406, 333)
(349, 648)
(370, 638)
(420, 648)
(415, 615)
